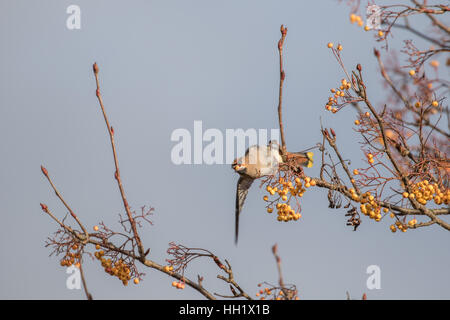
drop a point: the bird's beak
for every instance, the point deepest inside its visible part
(237, 166)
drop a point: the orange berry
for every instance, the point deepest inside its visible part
(136, 281)
(339, 47)
(434, 63)
(330, 45)
(96, 228)
(412, 72)
(357, 122)
(435, 103)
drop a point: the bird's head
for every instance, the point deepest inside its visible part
(238, 166)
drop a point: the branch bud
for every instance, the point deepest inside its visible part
(95, 68)
(376, 52)
(333, 133)
(44, 207)
(219, 264)
(274, 248)
(358, 66)
(44, 171)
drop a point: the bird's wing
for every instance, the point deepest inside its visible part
(243, 185)
(301, 158)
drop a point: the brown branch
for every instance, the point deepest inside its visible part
(389, 81)
(58, 194)
(83, 279)
(400, 210)
(278, 261)
(230, 279)
(332, 143)
(280, 95)
(418, 33)
(192, 284)
(116, 163)
(404, 178)
(429, 14)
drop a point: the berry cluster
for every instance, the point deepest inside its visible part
(424, 191)
(330, 45)
(71, 257)
(119, 269)
(370, 158)
(178, 284)
(355, 18)
(275, 293)
(369, 206)
(340, 92)
(401, 226)
(168, 268)
(358, 121)
(285, 190)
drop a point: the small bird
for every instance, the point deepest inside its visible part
(260, 161)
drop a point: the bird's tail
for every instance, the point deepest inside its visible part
(308, 158)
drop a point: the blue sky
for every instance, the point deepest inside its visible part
(163, 65)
